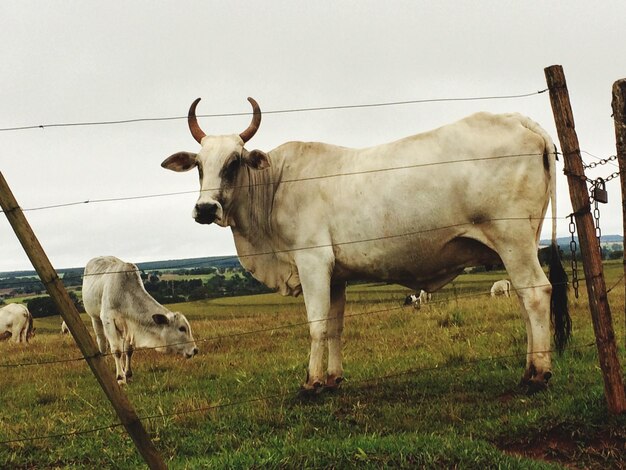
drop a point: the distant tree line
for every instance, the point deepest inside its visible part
(44, 306)
(218, 285)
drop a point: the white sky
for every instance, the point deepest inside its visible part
(83, 61)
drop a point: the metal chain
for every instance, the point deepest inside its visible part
(596, 219)
(572, 247)
(602, 161)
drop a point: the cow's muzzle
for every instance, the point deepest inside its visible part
(205, 213)
(193, 352)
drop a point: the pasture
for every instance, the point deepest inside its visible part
(434, 388)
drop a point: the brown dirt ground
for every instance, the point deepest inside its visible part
(601, 451)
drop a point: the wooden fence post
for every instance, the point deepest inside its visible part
(618, 104)
(592, 262)
(85, 342)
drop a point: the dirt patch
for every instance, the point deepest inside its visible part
(604, 450)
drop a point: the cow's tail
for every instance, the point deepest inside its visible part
(559, 309)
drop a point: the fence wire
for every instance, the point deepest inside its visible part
(277, 111)
(284, 395)
(192, 264)
(270, 329)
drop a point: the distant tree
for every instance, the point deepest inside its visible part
(616, 254)
(73, 278)
(45, 307)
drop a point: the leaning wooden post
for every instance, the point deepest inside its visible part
(85, 342)
(592, 262)
(619, 115)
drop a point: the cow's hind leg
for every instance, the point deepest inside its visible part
(335, 328)
(128, 354)
(117, 348)
(98, 329)
(533, 290)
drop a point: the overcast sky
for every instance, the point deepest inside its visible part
(86, 61)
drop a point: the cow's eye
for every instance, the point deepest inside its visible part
(182, 329)
(231, 167)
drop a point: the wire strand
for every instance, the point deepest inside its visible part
(285, 181)
(279, 111)
(291, 393)
(277, 327)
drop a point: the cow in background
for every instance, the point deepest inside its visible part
(124, 316)
(16, 323)
(418, 300)
(307, 217)
(64, 329)
(501, 287)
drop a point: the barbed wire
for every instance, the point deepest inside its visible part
(282, 181)
(313, 247)
(278, 111)
(291, 393)
(445, 300)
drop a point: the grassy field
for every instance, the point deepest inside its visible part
(434, 388)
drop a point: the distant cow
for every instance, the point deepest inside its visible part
(126, 316)
(307, 217)
(64, 329)
(501, 287)
(16, 322)
(417, 300)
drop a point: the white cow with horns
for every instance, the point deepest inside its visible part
(124, 316)
(307, 217)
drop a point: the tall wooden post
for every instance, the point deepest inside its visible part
(592, 262)
(85, 342)
(619, 115)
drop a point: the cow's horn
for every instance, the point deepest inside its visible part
(196, 132)
(254, 125)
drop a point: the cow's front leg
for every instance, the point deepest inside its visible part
(335, 329)
(314, 269)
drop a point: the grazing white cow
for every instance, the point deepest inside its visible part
(126, 317)
(16, 322)
(501, 287)
(307, 217)
(64, 329)
(418, 300)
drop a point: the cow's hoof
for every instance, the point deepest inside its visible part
(535, 386)
(333, 382)
(538, 383)
(308, 389)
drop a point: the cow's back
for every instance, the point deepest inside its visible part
(433, 194)
(14, 316)
(105, 282)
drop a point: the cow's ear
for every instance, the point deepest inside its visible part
(181, 161)
(160, 319)
(257, 159)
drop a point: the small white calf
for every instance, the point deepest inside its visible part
(16, 322)
(425, 296)
(501, 287)
(417, 300)
(125, 316)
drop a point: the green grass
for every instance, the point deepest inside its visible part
(433, 388)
